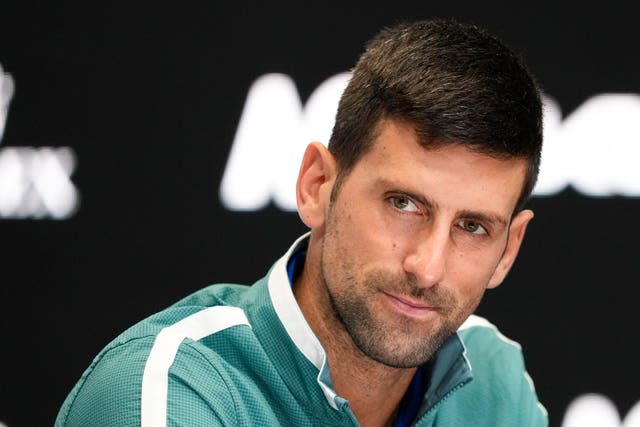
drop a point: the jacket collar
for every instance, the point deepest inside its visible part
(448, 369)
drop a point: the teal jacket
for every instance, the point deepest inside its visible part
(239, 355)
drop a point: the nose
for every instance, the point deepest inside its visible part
(427, 258)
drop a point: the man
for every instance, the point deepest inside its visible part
(415, 209)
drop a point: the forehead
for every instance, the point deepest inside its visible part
(450, 173)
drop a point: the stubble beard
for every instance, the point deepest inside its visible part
(396, 345)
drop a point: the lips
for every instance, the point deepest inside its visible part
(410, 306)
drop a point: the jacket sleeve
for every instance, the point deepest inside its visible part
(110, 391)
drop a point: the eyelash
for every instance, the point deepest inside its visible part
(394, 199)
(475, 223)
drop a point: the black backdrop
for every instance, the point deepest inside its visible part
(149, 97)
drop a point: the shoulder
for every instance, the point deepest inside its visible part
(501, 385)
(493, 356)
(139, 367)
(479, 335)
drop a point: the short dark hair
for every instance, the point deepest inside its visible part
(454, 83)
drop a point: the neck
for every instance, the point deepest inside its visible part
(361, 380)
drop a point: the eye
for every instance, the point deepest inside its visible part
(403, 203)
(472, 227)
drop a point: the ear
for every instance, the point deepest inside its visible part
(517, 229)
(315, 181)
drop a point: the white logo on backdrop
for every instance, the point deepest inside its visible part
(596, 410)
(273, 132)
(6, 93)
(594, 149)
(34, 181)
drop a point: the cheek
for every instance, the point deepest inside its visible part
(362, 234)
(365, 238)
(471, 273)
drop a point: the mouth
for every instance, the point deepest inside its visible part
(410, 307)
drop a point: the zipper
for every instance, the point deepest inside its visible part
(445, 397)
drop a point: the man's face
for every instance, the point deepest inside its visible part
(412, 240)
